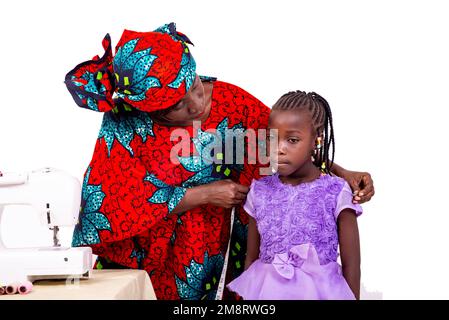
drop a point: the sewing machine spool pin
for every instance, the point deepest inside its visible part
(55, 229)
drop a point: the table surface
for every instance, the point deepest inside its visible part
(103, 284)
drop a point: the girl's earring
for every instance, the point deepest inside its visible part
(318, 143)
(317, 148)
(323, 167)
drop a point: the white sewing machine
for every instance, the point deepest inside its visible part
(56, 197)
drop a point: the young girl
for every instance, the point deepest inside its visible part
(300, 214)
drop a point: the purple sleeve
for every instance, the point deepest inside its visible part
(249, 206)
(344, 201)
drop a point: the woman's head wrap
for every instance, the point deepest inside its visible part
(150, 71)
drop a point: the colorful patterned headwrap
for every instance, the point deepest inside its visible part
(150, 71)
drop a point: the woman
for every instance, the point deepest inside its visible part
(144, 206)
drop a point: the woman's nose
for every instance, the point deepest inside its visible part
(192, 109)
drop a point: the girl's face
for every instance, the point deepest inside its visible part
(192, 107)
(296, 141)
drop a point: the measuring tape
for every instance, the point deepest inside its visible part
(221, 283)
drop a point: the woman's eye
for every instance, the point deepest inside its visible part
(195, 84)
(179, 107)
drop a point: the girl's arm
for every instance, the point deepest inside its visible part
(253, 243)
(348, 234)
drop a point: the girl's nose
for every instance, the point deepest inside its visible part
(281, 148)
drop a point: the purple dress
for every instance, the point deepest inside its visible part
(298, 240)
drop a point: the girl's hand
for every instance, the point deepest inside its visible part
(361, 183)
(225, 193)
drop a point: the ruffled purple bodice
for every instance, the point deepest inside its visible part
(289, 215)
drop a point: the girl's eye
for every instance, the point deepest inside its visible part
(293, 140)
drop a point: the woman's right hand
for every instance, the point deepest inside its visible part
(225, 193)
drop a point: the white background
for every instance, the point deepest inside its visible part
(382, 65)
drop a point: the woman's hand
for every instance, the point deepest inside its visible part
(225, 193)
(361, 183)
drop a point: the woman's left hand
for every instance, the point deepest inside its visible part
(361, 184)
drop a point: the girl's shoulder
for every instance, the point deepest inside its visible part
(325, 184)
(341, 192)
(331, 179)
(333, 184)
(264, 183)
(323, 181)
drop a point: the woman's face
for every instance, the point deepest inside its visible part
(192, 107)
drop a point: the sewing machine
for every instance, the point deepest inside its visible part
(55, 196)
